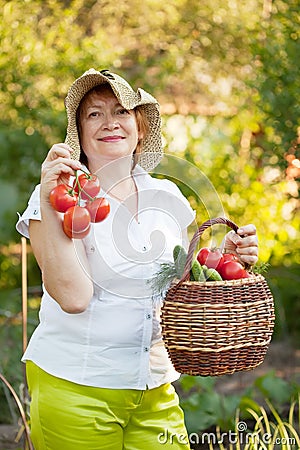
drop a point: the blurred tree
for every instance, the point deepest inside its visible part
(225, 73)
(276, 79)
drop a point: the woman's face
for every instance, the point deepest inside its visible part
(107, 130)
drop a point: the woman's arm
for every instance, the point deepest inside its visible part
(63, 264)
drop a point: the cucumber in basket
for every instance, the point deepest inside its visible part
(197, 271)
(179, 257)
(210, 274)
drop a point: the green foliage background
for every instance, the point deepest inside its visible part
(227, 77)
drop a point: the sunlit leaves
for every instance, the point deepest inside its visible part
(277, 50)
(225, 72)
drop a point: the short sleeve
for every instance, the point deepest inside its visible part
(32, 211)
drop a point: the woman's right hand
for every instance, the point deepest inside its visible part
(57, 168)
(73, 288)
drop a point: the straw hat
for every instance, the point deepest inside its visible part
(151, 150)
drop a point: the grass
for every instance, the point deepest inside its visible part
(276, 433)
(269, 431)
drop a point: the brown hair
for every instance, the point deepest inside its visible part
(141, 119)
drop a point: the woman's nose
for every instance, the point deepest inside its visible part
(110, 122)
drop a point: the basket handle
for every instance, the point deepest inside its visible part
(195, 239)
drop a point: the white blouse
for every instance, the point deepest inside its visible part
(116, 342)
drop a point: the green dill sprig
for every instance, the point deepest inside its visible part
(163, 277)
(260, 268)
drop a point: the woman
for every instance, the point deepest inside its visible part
(98, 372)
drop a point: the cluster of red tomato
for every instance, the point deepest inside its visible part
(227, 264)
(80, 204)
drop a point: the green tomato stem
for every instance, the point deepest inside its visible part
(78, 186)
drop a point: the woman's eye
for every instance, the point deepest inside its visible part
(123, 111)
(94, 114)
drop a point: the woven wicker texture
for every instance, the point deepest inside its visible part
(151, 151)
(217, 327)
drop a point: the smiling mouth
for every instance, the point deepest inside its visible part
(111, 138)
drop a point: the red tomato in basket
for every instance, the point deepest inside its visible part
(211, 258)
(233, 270)
(229, 257)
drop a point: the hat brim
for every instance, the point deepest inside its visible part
(151, 148)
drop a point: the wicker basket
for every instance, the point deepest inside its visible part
(217, 327)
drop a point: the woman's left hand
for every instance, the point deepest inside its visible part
(243, 243)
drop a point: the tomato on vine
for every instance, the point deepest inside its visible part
(63, 197)
(87, 186)
(76, 222)
(98, 208)
(79, 215)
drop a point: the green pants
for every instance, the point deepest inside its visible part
(70, 416)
